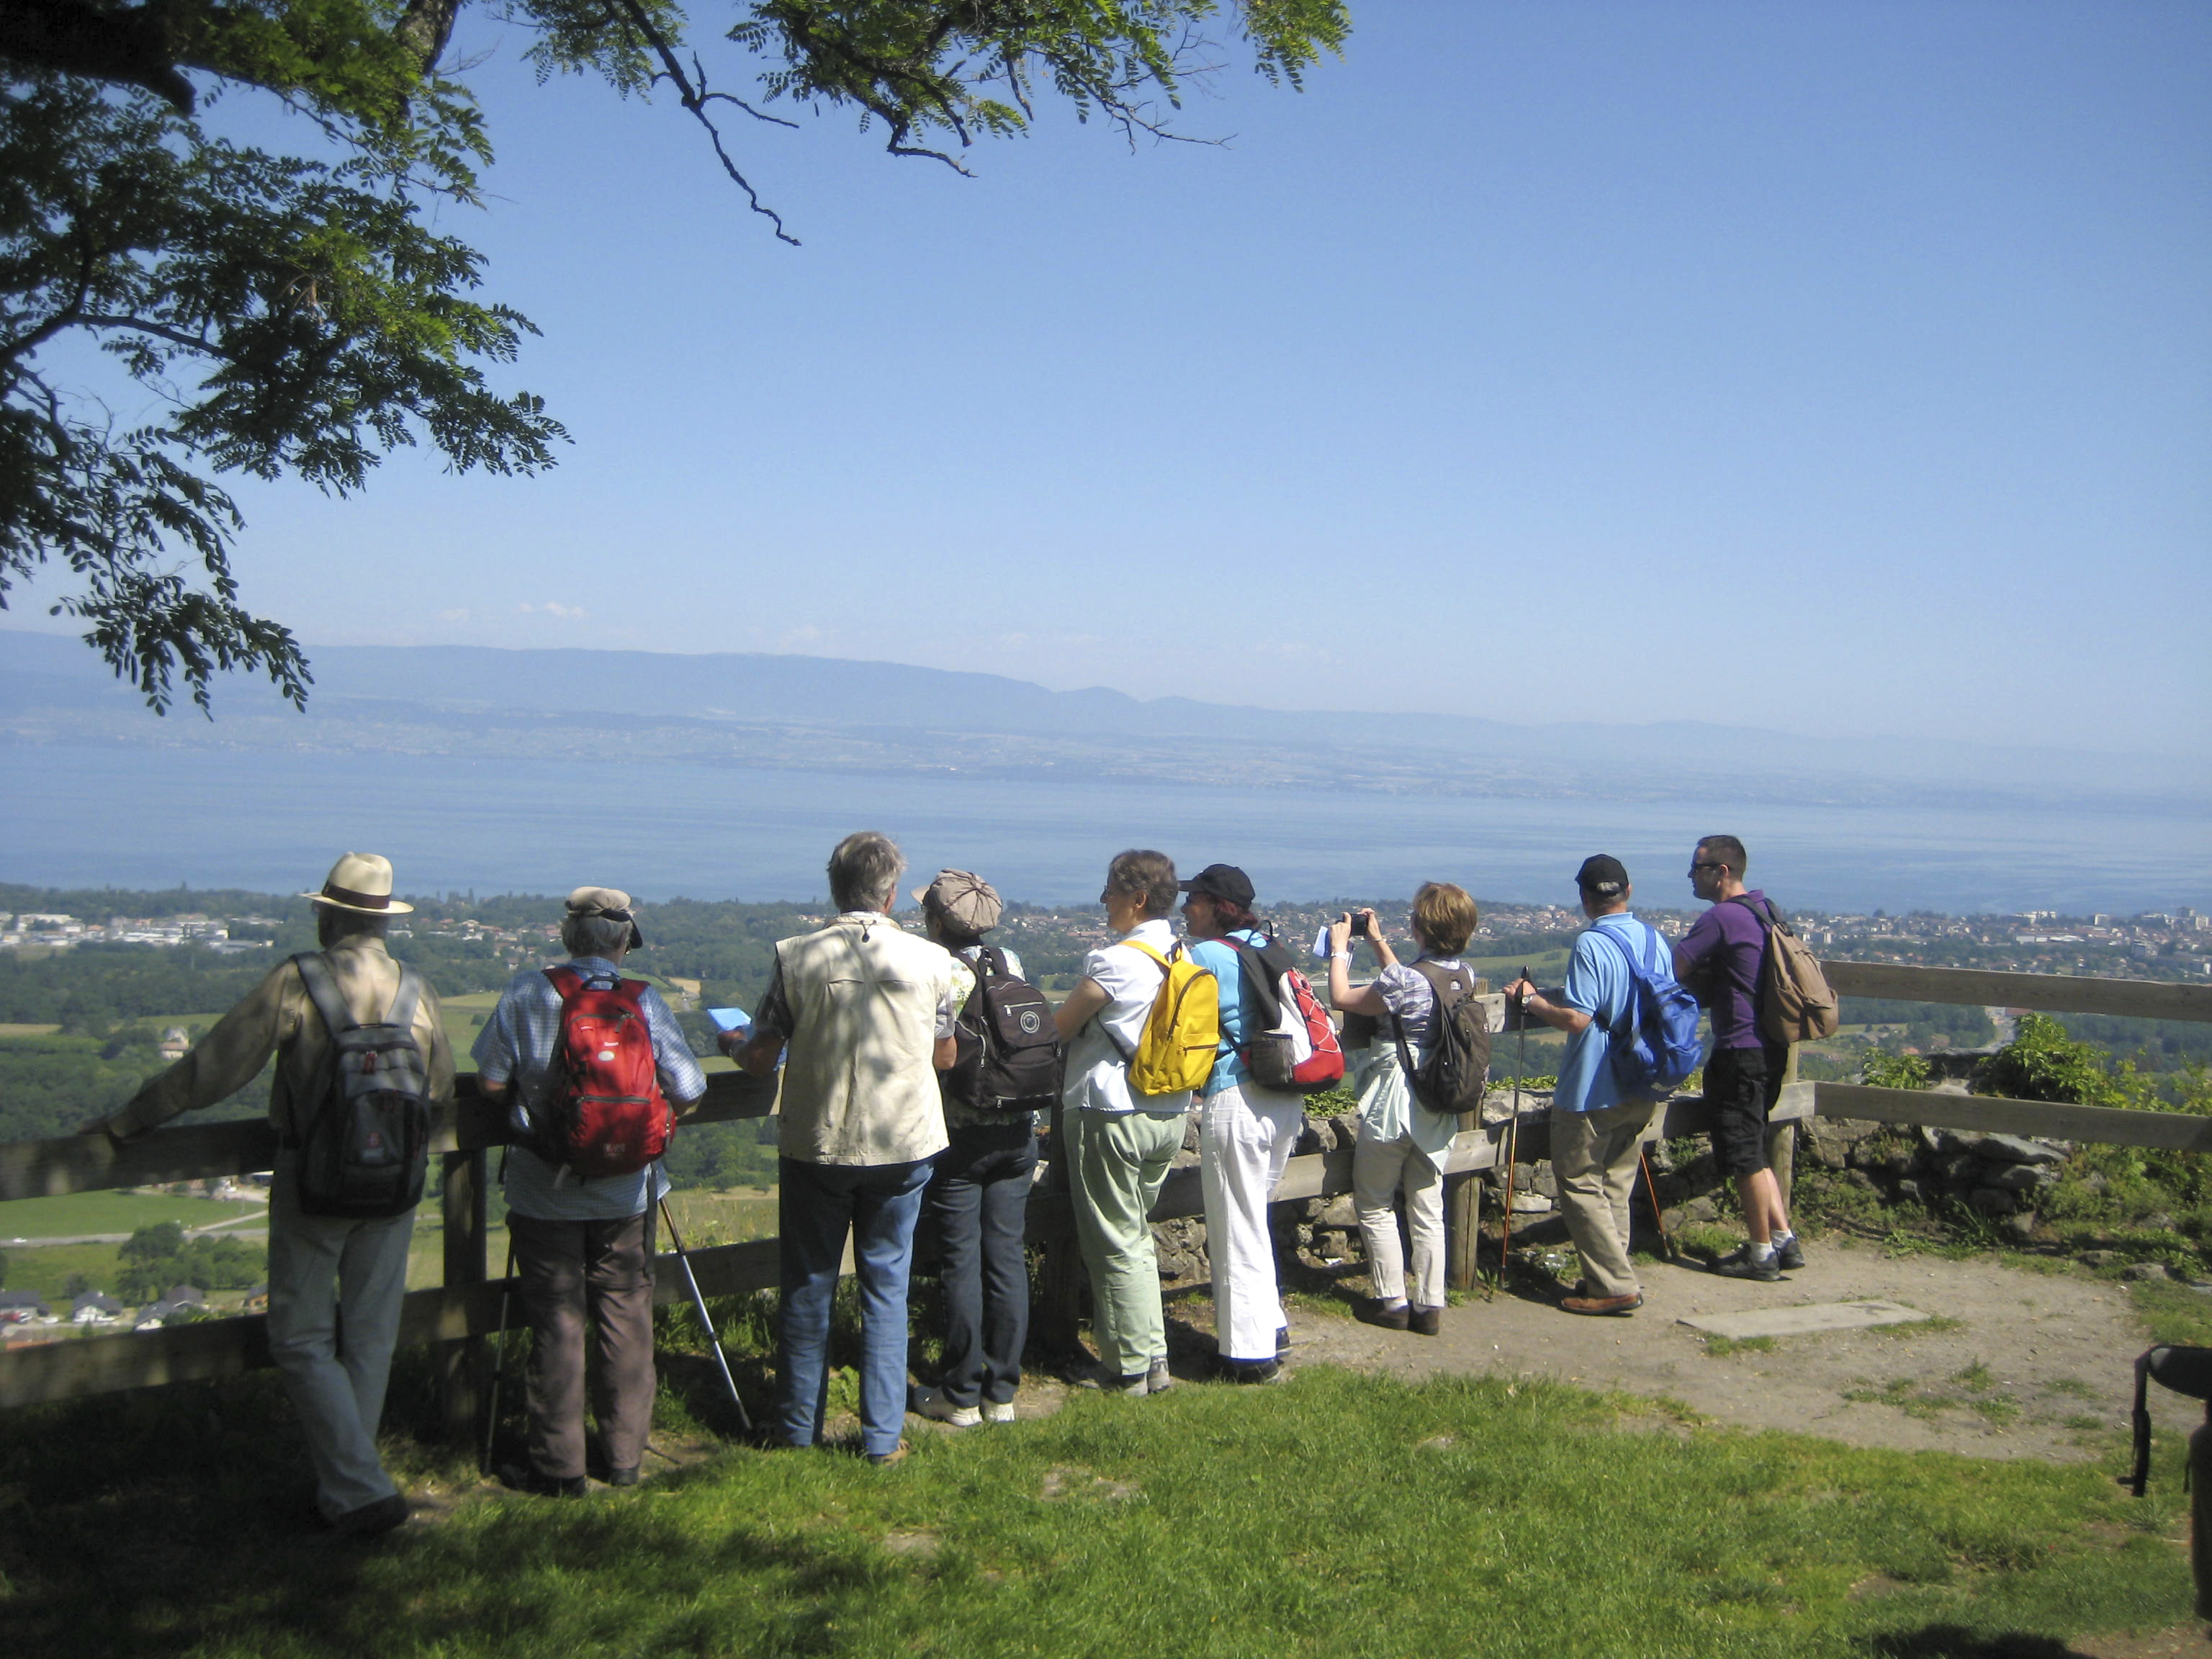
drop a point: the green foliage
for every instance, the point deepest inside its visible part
(304, 315)
(1888, 1071)
(2042, 1062)
(153, 1259)
(3, 1270)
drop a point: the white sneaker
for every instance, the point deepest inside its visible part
(927, 1401)
(999, 1411)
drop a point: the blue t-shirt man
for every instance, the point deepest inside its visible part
(1598, 984)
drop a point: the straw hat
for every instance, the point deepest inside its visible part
(361, 883)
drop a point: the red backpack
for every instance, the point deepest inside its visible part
(1292, 1044)
(605, 1115)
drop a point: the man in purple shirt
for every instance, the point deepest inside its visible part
(1721, 959)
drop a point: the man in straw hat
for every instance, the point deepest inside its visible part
(319, 1264)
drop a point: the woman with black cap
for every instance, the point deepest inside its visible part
(1245, 1137)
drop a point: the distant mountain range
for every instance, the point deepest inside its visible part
(815, 714)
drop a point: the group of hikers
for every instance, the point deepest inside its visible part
(916, 1070)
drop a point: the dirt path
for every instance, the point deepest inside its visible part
(2024, 1365)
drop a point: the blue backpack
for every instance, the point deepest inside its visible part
(1655, 1045)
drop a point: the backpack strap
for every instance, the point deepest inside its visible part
(406, 1000)
(1258, 973)
(322, 988)
(1637, 977)
(1114, 1042)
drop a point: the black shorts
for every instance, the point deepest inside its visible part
(1741, 1085)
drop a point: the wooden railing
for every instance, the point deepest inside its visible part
(465, 1307)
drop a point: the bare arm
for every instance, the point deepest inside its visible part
(1085, 999)
(1558, 1016)
(946, 1052)
(1366, 999)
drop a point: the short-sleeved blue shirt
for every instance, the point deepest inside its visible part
(1598, 984)
(1228, 967)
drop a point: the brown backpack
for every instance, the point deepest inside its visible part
(1795, 1002)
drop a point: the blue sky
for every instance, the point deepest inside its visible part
(1831, 368)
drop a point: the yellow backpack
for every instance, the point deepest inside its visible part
(1183, 1034)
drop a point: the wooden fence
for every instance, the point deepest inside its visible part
(465, 1307)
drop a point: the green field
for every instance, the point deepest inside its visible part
(79, 1213)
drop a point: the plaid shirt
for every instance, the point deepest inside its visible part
(517, 1044)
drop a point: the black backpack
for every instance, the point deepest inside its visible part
(365, 1150)
(1008, 1053)
(1453, 1076)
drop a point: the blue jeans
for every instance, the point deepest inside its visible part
(817, 1203)
(979, 1198)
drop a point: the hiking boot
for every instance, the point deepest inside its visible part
(1159, 1379)
(620, 1479)
(998, 1410)
(1136, 1382)
(1739, 1264)
(1789, 1257)
(924, 1400)
(1375, 1311)
(1603, 1305)
(521, 1477)
(1282, 1339)
(1251, 1371)
(372, 1520)
(897, 1453)
(1424, 1321)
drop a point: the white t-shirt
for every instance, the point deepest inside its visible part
(1097, 1077)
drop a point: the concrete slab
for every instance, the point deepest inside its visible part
(1797, 1321)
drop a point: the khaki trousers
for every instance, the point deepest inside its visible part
(571, 1272)
(1116, 1161)
(1593, 1158)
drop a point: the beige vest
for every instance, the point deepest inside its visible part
(859, 1082)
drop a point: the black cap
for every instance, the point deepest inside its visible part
(1221, 881)
(1603, 874)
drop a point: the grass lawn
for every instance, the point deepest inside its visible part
(78, 1213)
(1338, 1514)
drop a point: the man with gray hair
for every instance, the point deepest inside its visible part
(582, 1242)
(867, 1012)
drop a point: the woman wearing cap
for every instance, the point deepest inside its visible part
(1402, 1142)
(1245, 1137)
(978, 1196)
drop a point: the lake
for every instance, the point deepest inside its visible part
(77, 816)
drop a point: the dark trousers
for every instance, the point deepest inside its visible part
(1741, 1085)
(979, 1196)
(571, 1272)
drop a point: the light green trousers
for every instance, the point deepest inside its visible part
(1115, 1164)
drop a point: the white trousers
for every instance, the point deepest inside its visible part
(1245, 1137)
(334, 1294)
(1378, 1167)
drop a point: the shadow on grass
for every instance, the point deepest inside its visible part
(1951, 1641)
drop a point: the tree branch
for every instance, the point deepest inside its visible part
(129, 45)
(694, 99)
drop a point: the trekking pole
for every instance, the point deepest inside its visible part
(699, 1305)
(499, 1354)
(1652, 1189)
(1513, 1131)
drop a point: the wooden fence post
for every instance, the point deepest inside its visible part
(1463, 1215)
(460, 1364)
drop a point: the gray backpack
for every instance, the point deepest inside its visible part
(365, 1145)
